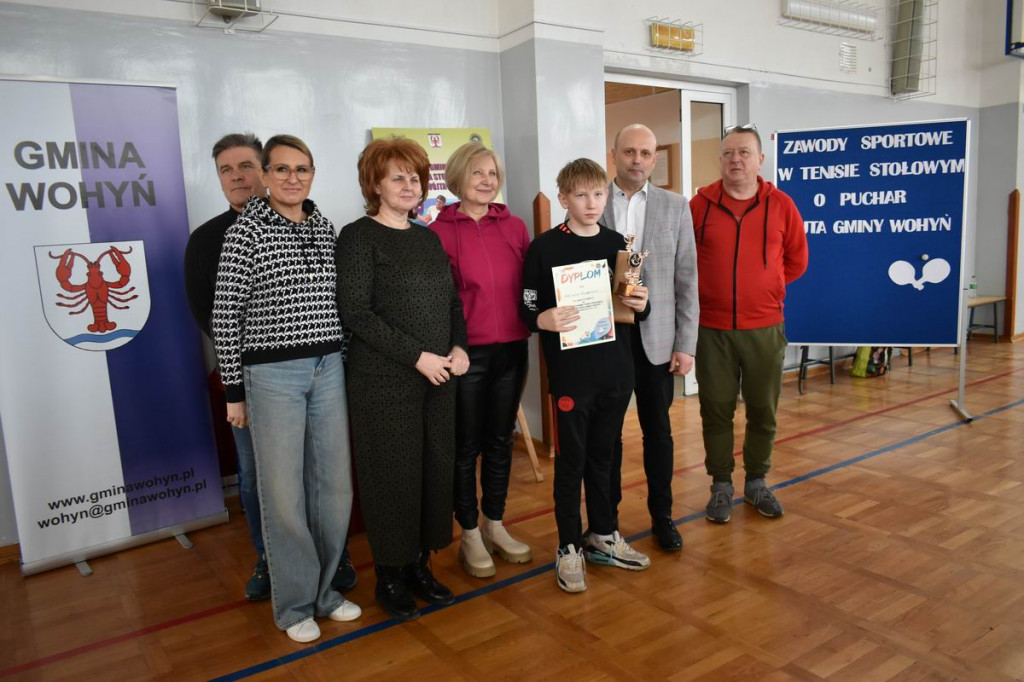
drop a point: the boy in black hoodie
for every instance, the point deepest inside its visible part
(591, 384)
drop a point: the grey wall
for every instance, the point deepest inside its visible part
(570, 116)
(997, 177)
(553, 104)
(519, 112)
(519, 109)
(329, 91)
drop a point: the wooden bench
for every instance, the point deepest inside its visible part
(806, 362)
(980, 301)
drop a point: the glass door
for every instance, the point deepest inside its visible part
(705, 111)
(704, 115)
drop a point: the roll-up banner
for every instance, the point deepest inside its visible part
(103, 403)
(884, 209)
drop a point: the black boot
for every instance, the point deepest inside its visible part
(392, 594)
(345, 578)
(421, 581)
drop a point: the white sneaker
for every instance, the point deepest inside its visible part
(347, 611)
(614, 552)
(305, 631)
(497, 539)
(571, 569)
(473, 554)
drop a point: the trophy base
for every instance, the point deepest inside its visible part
(625, 289)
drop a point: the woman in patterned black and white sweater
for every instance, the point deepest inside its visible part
(278, 339)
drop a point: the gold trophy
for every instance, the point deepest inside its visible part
(627, 276)
(631, 275)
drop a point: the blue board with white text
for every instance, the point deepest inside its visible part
(883, 209)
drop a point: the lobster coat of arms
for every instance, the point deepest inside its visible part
(96, 296)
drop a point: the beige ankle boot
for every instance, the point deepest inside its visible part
(497, 539)
(473, 556)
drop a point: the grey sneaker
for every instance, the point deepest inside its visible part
(571, 569)
(719, 509)
(614, 552)
(757, 494)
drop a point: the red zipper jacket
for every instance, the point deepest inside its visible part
(744, 262)
(487, 263)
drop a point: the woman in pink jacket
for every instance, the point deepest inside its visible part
(486, 245)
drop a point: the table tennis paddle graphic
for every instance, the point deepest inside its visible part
(934, 271)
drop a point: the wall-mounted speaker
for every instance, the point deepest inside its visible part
(233, 8)
(907, 41)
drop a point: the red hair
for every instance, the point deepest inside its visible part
(373, 167)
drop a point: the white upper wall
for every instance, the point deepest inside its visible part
(743, 40)
(464, 24)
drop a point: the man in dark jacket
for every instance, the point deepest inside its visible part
(750, 245)
(238, 167)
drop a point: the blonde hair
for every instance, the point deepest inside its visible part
(581, 173)
(460, 165)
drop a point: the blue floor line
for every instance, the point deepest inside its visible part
(539, 570)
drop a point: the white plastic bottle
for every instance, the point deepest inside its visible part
(972, 289)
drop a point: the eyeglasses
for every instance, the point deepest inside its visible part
(282, 172)
(745, 126)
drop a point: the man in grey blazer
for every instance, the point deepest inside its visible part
(664, 343)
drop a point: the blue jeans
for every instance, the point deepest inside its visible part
(247, 490)
(299, 426)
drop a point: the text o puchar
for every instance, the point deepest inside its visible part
(873, 198)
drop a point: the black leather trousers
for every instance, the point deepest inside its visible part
(487, 401)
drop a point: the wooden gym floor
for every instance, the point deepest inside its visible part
(900, 557)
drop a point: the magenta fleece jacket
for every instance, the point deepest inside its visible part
(487, 263)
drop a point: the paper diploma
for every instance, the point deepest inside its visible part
(587, 286)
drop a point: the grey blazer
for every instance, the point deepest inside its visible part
(670, 274)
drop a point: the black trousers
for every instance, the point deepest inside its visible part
(588, 426)
(655, 387)
(487, 399)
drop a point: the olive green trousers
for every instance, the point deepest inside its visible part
(732, 362)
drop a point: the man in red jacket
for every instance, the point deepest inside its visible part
(750, 245)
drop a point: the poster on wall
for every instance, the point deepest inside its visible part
(103, 403)
(884, 208)
(439, 144)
